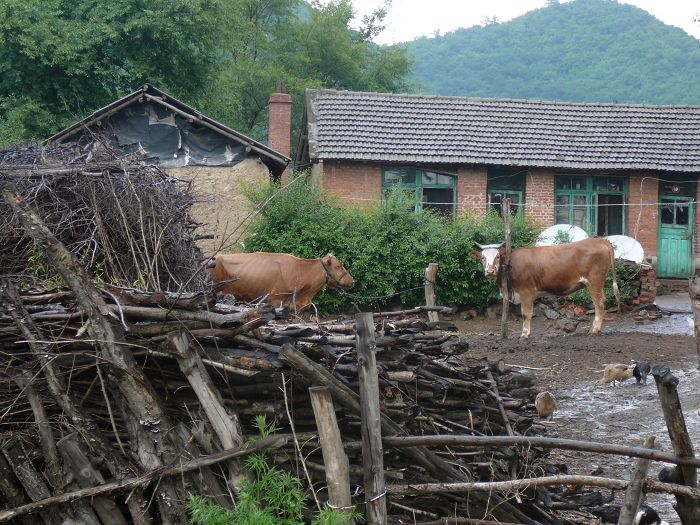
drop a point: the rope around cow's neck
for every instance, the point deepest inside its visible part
(329, 276)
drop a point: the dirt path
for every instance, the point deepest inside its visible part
(573, 363)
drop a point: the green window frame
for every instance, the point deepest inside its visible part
(596, 203)
(502, 183)
(428, 188)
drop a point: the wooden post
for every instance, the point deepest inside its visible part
(430, 273)
(334, 458)
(694, 291)
(505, 273)
(371, 420)
(633, 496)
(666, 383)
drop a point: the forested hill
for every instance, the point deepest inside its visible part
(582, 51)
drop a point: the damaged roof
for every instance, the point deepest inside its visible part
(404, 128)
(160, 108)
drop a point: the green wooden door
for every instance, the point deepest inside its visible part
(675, 257)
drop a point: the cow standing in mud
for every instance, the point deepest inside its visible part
(560, 269)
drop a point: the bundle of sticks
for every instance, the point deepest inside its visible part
(60, 398)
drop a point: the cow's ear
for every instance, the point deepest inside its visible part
(475, 255)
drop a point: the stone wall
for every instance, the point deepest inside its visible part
(220, 205)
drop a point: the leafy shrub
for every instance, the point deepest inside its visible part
(386, 248)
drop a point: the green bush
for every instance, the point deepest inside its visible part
(386, 248)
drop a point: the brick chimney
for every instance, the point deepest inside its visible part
(279, 131)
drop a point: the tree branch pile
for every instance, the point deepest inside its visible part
(126, 222)
(213, 367)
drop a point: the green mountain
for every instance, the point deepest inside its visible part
(579, 51)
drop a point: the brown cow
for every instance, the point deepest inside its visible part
(560, 269)
(279, 278)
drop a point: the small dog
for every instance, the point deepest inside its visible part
(616, 372)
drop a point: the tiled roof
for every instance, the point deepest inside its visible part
(458, 130)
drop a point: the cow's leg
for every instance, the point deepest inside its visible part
(598, 296)
(526, 301)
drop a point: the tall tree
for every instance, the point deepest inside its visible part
(301, 45)
(62, 58)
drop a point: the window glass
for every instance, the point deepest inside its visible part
(682, 214)
(420, 189)
(431, 178)
(406, 176)
(570, 182)
(686, 189)
(667, 211)
(607, 183)
(580, 210)
(609, 215)
(496, 198)
(438, 199)
(561, 215)
(445, 179)
(501, 179)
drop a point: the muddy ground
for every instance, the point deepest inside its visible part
(570, 364)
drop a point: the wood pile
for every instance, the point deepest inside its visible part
(61, 413)
(126, 221)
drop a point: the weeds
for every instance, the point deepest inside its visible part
(274, 497)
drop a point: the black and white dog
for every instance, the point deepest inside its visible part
(648, 516)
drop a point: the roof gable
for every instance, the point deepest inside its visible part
(208, 142)
(459, 130)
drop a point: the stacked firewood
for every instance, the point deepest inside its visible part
(259, 361)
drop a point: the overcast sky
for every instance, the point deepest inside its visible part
(409, 19)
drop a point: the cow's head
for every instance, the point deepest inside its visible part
(336, 274)
(491, 258)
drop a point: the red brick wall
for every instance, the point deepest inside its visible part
(471, 190)
(642, 214)
(279, 132)
(539, 197)
(353, 182)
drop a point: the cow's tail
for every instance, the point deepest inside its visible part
(616, 288)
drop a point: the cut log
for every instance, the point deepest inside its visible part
(72, 452)
(334, 458)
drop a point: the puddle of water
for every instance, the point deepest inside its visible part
(627, 414)
(675, 324)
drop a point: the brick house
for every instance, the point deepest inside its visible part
(608, 168)
(190, 146)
